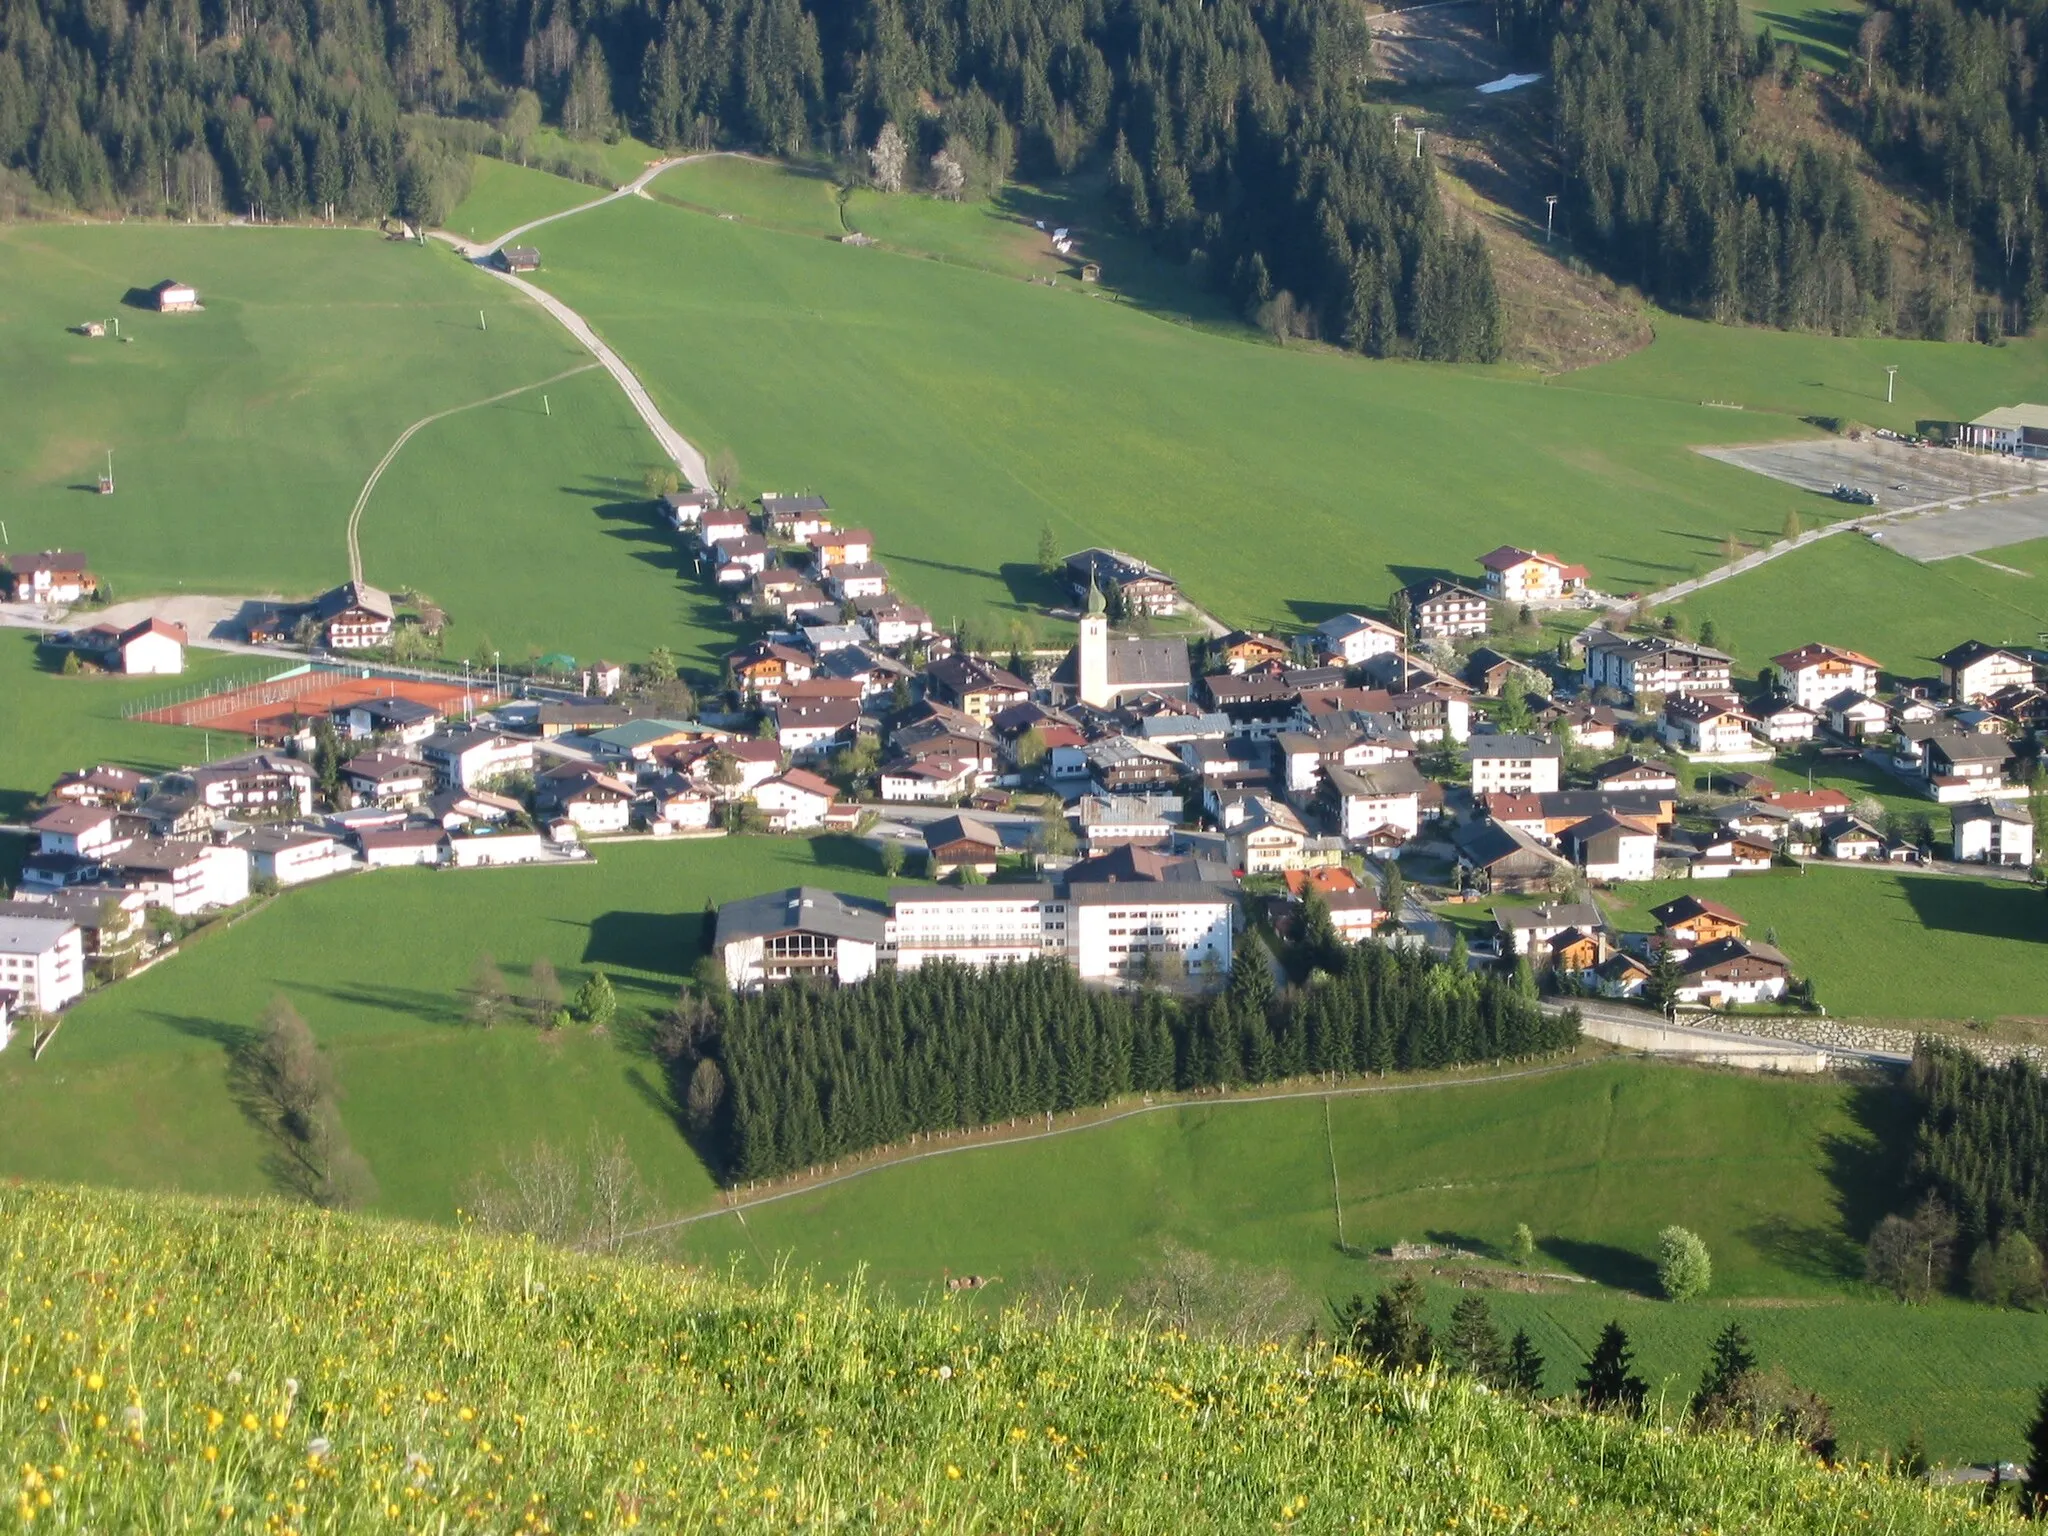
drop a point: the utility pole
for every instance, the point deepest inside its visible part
(545, 409)
(480, 321)
(1418, 143)
(1549, 216)
(1890, 376)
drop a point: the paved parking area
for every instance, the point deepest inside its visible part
(1900, 475)
(1965, 530)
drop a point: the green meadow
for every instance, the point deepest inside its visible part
(136, 1089)
(1847, 590)
(1782, 1178)
(243, 435)
(1889, 942)
(502, 196)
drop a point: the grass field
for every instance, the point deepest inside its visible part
(243, 435)
(956, 413)
(503, 196)
(193, 1364)
(135, 1088)
(1889, 943)
(1824, 29)
(1782, 1179)
(801, 200)
(1849, 591)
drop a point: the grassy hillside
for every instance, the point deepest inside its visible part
(955, 413)
(503, 196)
(1849, 591)
(137, 1088)
(228, 1365)
(243, 435)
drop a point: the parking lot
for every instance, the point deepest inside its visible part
(1898, 474)
(1965, 530)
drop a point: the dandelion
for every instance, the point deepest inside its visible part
(235, 1377)
(250, 1423)
(94, 1382)
(945, 1373)
(952, 1472)
(133, 1420)
(318, 1447)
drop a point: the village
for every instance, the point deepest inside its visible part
(1132, 805)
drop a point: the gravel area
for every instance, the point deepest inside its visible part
(1899, 474)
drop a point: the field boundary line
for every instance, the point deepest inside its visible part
(355, 516)
(904, 1159)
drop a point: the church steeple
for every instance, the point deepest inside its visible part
(1095, 602)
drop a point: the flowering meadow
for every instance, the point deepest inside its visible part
(169, 1364)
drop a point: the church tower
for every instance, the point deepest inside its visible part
(1091, 655)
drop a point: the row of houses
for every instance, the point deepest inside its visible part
(1716, 963)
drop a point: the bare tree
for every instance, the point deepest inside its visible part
(886, 161)
(725, 473)
(595, 1200)
(705, 1093)
(1189, 1291)
(543, 993)
(488, 995)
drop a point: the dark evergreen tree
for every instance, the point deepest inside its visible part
(1473, 1344)
(1524, 1369)
(1731, 1360)
(1606, 1382)
(1395, 1335)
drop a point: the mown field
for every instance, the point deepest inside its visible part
(243, 435)
(503, 196)
(136, 1088)
(1890, 942)
(1782, 1178)
(956, 413)
(1849, 591)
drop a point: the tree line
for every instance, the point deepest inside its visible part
(799, 1076)
(1235, 133)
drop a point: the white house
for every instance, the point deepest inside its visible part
(1527, 576)
(1974, 670)
(937, 776)
(1853, 716)
(402, 847)
(1351, 638)
(1124, 932)
(802, 933)
(1988, 833)
(1611, 847)
(1732, 971)
(465, 759)
(477, 847)
(795, 801)
(1369, 799)
(293, 855)
(1505, 764)
(153, 648)
(185, 877)
(81, 831)
(1814, 674)
(975, 925)
(1786, 724)
(1713, 731)
(1659, 666)
(42, 962)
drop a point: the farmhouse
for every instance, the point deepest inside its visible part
(1974, 670)
(1593, 726)
(961, 842)
(793, 519)
(154, 648)
(172, 297)
(801, 934)
(1242, 650)
(1983, 833)
(1813, 674)
(814, 728)
(975, 686)
(1853, 716)
(686, 509)
(1629, 774)
(1637, 667)
(42, 962)
(1965, 767)
(1732, 971)
(1611, 847)
(1525, 930)
(762, 670)
(355, 616)
(1784, 723)
(1351, 638)
(1445, 609)
(1713, 730)
(795, 801)
(518, 258)
(1503, 859)
(54, 576)
(1526, 576)
(1845, 837)
(1508, 764)
(101, 785)
(590, 801)
(1691, 922)
(860, 579)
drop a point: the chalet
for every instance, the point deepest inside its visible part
(795, 801)
(1432, 714)
(53, 577)
(1691, 922)
(717, 524)
(864, 579)
(1845, 837)
(1784, 723)
(590, 801)
(184, 877)
(1446, 610)
(843, 546)
(1593, 726)
(1143, 588)
(1732, 971)
(1529, 930)
(1514, 575)
(1621, 975)
(1488, 671)
(1964, 767)
(1716, 855)
(1109, 821)
(103, 785)
(84, 831)
(1370, 799)
(264, 783)
(801, 934)
(1751, 818)
(961, 843)
(1267, 837)
(407, 720)
(1611, 847)
(171, 297)
(1548, 817)
(387, 779)
(740, 558)
(1350, 639)
(866, 667)
(685, 509)
(1974, 670)
(892, 622)
(107, 919)
(762, 670)
(1712, 729)
(1119, 763)
(729, 770)
(1814, 674)
(1985, 833)
(977, 687)
(793, 519)
(815, 728)
(1853, 716)
(1630, 774)
(673, 801)
(354, 616)
(1512, 764)
(1501, 859)
(1655, 666)
(1808, 807)
(518, 258)
(287, 856)
(1576, 951)
(1240, 651)
(468, 759)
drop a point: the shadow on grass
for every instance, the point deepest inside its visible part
(412, 1002)
(640, 941)
(839, 851)
(2001, 910)
(1826, 37)
(1465, 1242)
(1605, 1263)
(285, 1164)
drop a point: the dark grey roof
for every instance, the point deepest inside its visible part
(1399, 777)
(1499, 745)
(1976, 747)
(353, 594)
(804, 908)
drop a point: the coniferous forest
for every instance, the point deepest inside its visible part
(1234, 132)
(1982, 1142)
(811, 1075)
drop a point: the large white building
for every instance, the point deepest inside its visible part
(42, 963)
(1814, 674)
(1505, 764)
(798, 934)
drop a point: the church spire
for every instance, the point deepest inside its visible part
(1095, 603)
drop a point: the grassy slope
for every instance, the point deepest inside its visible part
(1849, 591)
(135, 1089)
(243, 435)
(801, 199)
(1778, 1176)
(503, 196)
(955, 414)
(459, 1381)
(1891, 943)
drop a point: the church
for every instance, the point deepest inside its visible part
(1103, 672)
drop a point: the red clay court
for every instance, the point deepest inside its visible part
(274, 709)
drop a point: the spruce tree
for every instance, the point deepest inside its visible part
(1731, 1360)
(1524, 1370)
(1606, 1382)
(1396, 1335)
(1474, 1344)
